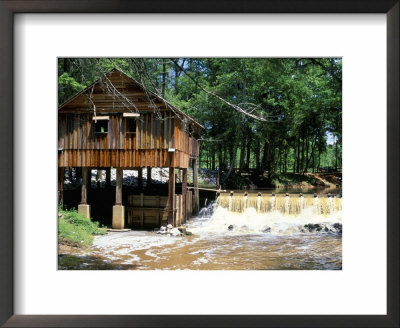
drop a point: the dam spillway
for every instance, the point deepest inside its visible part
(288, 204)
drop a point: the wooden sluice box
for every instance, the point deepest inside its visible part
(149, 212)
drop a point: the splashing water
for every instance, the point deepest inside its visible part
(274, 215)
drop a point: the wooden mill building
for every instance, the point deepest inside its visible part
(117, 123)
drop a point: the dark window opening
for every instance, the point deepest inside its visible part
(130, 125)
(101, 126)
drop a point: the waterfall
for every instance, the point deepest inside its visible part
(289, 205)
(272, 214)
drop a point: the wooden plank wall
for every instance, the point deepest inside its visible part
(127, 159)
(147, 212)
(80, 146)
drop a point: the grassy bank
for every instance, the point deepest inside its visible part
(76, 230)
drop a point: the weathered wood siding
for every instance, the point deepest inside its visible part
(121, 158)
(79, 145)
(152, 211)
(156, 131)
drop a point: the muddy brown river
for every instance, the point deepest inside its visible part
(306, 239)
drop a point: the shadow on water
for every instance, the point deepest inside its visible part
(83, 262)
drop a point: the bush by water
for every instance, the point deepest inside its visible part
(76, 230)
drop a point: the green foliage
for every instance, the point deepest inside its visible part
(77, 230)
(67, 86)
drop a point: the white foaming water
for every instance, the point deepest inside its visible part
(131, 241)
(222, 221)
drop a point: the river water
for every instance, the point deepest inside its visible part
(282, 233)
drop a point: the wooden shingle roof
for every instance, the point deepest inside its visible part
(117, 92)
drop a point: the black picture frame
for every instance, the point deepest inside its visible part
(10, 7)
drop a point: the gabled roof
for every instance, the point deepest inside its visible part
(117, 92)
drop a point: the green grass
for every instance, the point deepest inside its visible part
(76, 230)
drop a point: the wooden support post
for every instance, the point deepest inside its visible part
(178, 210)
(99, 174)
(191, 203)
(184, 191)
(118, 220)
(195, 185)
(148, 177)
(61, 186)
(83, 207)
(84, 185)
(171, 191)
(142, 211)
(108, 177)
(188, 208)
(158, 212)
(219, 175)
(78, 173)
(70, 174)
(118, 187)
(140, 177)
(88, 178)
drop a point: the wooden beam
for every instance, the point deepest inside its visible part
(101, 118)
(195, 185)
(108, 177)
(88, 178)
(140, 177)
(61, 186)
(99, 174)
(148, 177)
(130, 114)
(118, 187)
(84, 185)
(208, 189)
(171, 191)
(184, 191)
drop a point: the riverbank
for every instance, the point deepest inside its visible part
(74, 230)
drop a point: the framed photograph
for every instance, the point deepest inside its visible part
(208, 142)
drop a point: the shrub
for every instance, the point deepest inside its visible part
(75, 229)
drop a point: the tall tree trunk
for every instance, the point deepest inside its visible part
(285, 162)
(336, 153)
(319, 161)
(257, 151)
(312, 156)
(302, 156)
(247, 166)
(242, 153)
(164, 73)
(265, 156)
(233, 161)
(243, 125)
(298, 155)
(294, 157)
(306, 156)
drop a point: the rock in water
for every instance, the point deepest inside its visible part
(230, 228)
(267, 229)
(182, 230)
(175, 232)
